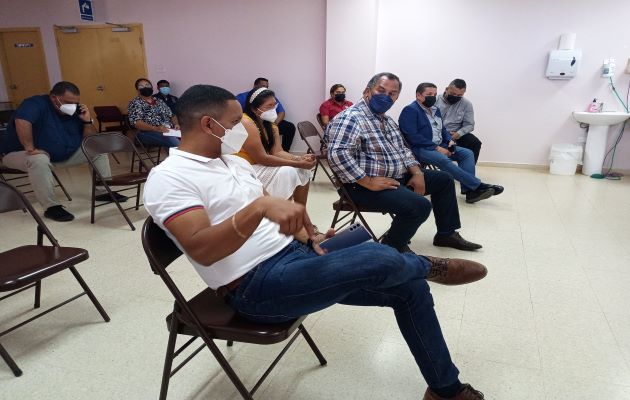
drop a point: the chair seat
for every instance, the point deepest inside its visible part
(27, 264)
(222, 322)
(130, 178)
(7, 170)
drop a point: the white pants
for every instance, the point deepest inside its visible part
(38, 167)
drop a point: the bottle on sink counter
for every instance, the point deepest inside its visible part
(593, 107)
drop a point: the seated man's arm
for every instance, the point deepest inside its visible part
(24, 131)
(416, 134)
(323, 113)
(468, 122)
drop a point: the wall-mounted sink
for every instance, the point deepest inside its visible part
(597, 137)
(603, 118)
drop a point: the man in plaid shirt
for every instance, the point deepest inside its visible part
(367, 152)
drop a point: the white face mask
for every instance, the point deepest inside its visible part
(68, 109)
(233, 139)
(269, 115)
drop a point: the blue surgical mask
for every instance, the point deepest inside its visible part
(165, 90)
(380, 103)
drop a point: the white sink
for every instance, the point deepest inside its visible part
(597, 137)
(603, 118)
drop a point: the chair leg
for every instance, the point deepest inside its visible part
(38, 293)
(7, 359)
(335, 218)
(122, 210)
(168, 360)
(312, 345)
(93, 208)
(133, 160)
(230, 343)
(87, 291)
(138, 197)
(315, 172)
(115, 158)
(227, 368)
(63, 188)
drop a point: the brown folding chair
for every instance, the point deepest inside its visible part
(148, 152)
(20, 180)
(110, 115)
(24, 267)
(207, 316)
(107, 143)
(310, 134)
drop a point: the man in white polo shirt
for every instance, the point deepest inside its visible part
(262, 255)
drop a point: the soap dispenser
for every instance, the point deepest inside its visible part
(593, 107)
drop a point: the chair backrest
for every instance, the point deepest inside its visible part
(109, 114)
(308, 132)
(159, 248)
(11, 199)
(105, 143)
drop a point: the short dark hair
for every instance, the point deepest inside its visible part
(140, 80)
(64, 86)
(335, 87)
(161, 81)
(258, 80)
(200, 100)
(458, 83)
(387, 75)
(425, 85)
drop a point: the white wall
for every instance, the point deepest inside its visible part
(500, 48)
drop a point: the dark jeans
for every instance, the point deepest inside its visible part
(287, 132)
(157, 139)
(471, 142)
(297, 282)
(411, 209)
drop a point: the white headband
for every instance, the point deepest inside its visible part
(256, 93)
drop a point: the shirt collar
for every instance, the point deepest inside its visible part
(174, 151)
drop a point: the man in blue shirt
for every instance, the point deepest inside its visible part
(421, 124)
(285, 128)
(47, 130)
(164, 94)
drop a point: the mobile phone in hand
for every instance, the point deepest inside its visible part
(452, 148)
(351, 236)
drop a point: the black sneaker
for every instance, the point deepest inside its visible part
(498, 189)
(478, 195)
(57, 213)
(105, 197)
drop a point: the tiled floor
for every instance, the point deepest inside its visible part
(551, 320)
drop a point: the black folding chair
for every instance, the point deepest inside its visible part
(311, 135)
(206, 316)
(108, 143)
(24, 267)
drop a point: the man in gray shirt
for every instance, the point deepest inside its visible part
(458, 116)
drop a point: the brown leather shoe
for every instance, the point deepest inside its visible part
(455, 241)
(466, 392)
(455, 271)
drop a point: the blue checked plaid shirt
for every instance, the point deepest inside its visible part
(360, 144)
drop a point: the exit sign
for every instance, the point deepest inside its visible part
(86, 10)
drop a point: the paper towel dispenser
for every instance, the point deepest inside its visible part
(563, 64)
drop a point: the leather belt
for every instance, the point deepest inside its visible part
(224, 290)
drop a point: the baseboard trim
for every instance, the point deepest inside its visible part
(512, 165)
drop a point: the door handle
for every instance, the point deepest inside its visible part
(100, 88)
(13, 86)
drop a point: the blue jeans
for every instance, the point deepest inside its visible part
(157, 139)
(410, 209)
(296, 282)
(463, 172)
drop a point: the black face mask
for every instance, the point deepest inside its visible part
(452, 99)
(146, 91)
(340, 97)
(429, 101)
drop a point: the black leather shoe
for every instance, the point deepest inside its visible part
(497, 189)
(57, 213)
(105, 197)
(478, 195)
(455, 241)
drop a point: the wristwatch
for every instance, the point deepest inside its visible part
(90, 122)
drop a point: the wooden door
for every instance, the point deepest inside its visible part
(104, 62)
(23, 64)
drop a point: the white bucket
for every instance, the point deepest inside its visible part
(564, 158)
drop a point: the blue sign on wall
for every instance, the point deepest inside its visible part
(86, 10)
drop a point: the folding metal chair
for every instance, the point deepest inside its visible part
(107, 143)
(310, 134)
(206, 316)
(24, 267)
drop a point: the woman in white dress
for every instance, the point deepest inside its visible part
(283, 174)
